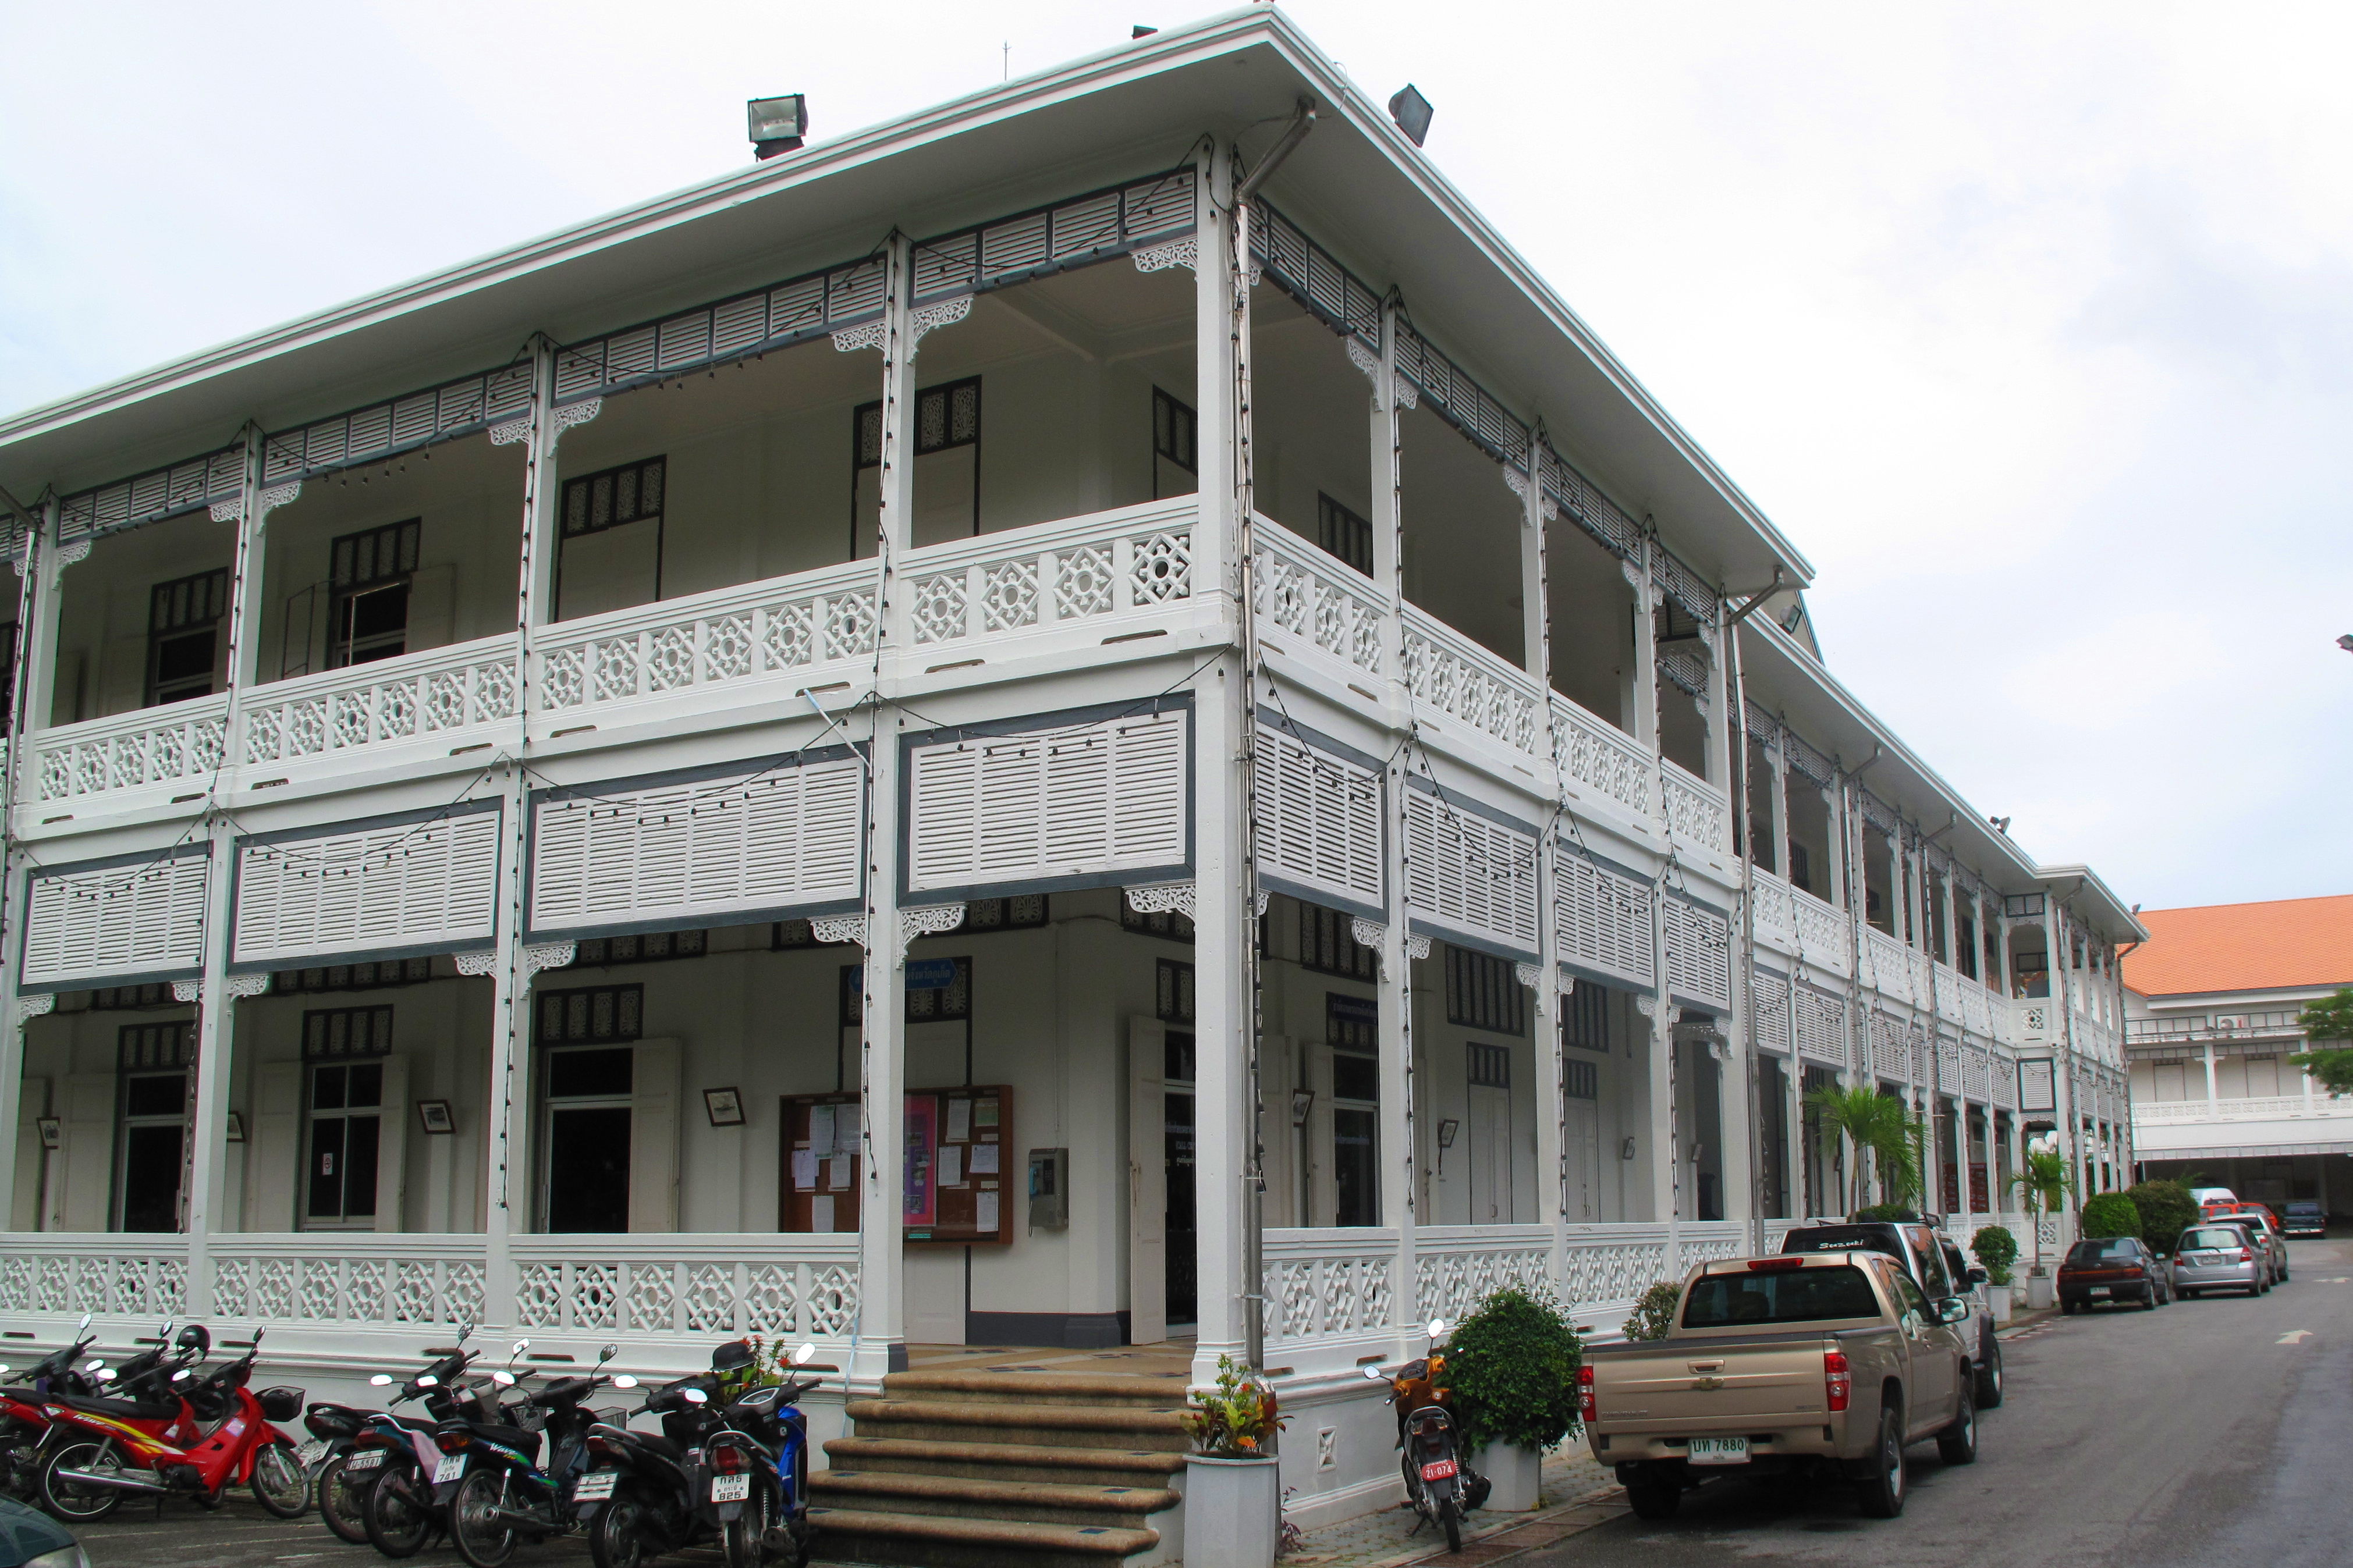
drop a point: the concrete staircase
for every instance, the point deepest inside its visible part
(975, 1469)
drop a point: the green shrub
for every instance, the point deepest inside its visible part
(2110, 1213)
(1513, 1366)
(1897, 1214)
(1995, 1250)
(1654, 1314)
(2165, 1211)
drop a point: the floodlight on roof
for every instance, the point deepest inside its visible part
(1411, 111)
(777, 124)
(2345, 642)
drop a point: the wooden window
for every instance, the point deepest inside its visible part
(1344, 534)
(1352, 1023)
(652, 947)
(1328, 945)
(1483, 991)
(1176, 456)
(345, 1136)
(594, 506)
(1172, 997)
(1023, 912)
(369, 574)
(141, 1047)
(1488, 1067)
(948, 419)
(614, 498)
(118, 998)
(373, 976)
(1581, 1080)
(592, 1014)
(334, 1034)
(1173, 924)
(183, 636)
(1585, 1017)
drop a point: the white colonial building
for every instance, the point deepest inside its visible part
(927, 639)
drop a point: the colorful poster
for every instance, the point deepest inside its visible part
(923, 1135)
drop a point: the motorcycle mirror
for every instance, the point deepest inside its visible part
(1375, 1374)
(465, 1332)
(608, 1353)
(381, 1380)
(427, 1380)
(85, 1325)
(624, 1381)
(695, 1397)
(521, 1346)
(503, 1379)
(183, 1373)
(4, 1372)
(1437, 1328)
(803, 1356)
(93, 1364)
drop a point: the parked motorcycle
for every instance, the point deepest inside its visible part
(753, 1479)
(341, 1469)
(228, 1436)
(137, 1393)
(22, 1424)
(1439, 1484)
(403, 1508)
(490, 1480)
(643, 1498)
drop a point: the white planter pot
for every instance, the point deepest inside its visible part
(1233, 1511)
(2041, 1292)
(2000, 1298)
(1516, 1474)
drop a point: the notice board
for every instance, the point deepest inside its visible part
(957, 1177)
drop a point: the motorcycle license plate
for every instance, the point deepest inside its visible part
(364, 1459)
(1719, 1451)
(451, 1467)
(310, 1453)
(730, 1489)
(1438, 1469)
(593, 1488)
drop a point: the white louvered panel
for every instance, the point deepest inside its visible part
(119, 920)
(422, 884)
(1319, 819)
(1821, 1026)
(1470, 872)
(708, 847)
(1050, 803)
(1768, 1000)
(1699, 953)
(1605, 920)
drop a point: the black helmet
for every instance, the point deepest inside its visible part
(194, 1340)
(732, 1356)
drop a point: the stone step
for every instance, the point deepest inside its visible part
(1008, 1462)
(1040, 1503)
(943, 1540)
(1038, 1388)
(1058, 1426)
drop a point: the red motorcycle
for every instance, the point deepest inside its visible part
(223, 1435)
(137, 1392)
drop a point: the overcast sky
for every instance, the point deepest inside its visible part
(2033, 325)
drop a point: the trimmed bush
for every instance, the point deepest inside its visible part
(2165, 1212)
(2110, 1213)
(1892, 1214)
(1513, 1366)
(1997, 1251)
(1654, 1314)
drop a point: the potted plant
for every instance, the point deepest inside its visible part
(1654, 1314)
(2043, 1188)
(1233, 1493)
(1512, 1364)
(1996, 1251)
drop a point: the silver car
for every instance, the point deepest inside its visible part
(2217, 1257)
(2266, 1236)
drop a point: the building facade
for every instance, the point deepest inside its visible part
(1180, 724)
(2213, 999)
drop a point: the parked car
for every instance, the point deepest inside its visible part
(2201, 1196)
(2304, 1217)
(31, 1538)
(1831, 1362)
(2112, 1269)
(2219, 1257)
(1935, 1266)
(2267, 1240)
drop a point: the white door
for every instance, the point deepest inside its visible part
(1147, 1182)
(1581, 1147)
(1491, 1155)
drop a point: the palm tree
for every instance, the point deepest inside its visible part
(1874, 1121)
(2043, 1188)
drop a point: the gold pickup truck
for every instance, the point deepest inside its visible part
(1821, 1364)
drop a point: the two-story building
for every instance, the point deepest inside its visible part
(2213, 998)
(1105, 655)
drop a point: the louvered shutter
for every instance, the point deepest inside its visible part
(1769, 1001)
(113, 921)
(1319, 822)
(430, 884)
(690, 851)
(1470, 873)
(1699, 954)
(1605, 920)
(1064, 805)
(1821, 1026)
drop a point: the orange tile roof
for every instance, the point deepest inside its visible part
(2244, 947)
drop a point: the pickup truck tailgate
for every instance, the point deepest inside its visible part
(1754, 1381)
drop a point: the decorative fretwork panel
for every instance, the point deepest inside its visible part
(1302, 591)
(106, 1274)
(1695, 810)
(402, 424)
(177, 743)
(1457, 1267)
(695, 1289)
(761, 631)
(217, 478)
(1449, 672)
(417, 698)
(1326, 1284)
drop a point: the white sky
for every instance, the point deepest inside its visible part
(2033, 325)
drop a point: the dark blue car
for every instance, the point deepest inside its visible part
(32, 1540)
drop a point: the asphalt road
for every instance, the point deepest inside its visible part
(2204, 1433)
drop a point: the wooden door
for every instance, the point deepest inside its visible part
(1147, 1182)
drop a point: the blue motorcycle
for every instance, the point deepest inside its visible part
(754, 1479)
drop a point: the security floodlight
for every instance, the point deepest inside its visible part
(2345, 642)
(1411, 111)
(777, 124)
(1302, 1100)
(1141, 31)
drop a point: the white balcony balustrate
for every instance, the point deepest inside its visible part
(2264, 1107)
(1612, 1265)
(1326, 1284)
(1772, 915)
(1823, 933)
(803, 1286)
(1303, 593)
(432, 696)
(105, 1275)
(1447, 671)
(1602, 757)
(2031, 1021)
(1456, 1266)
(1887, 964)
(786, 628)
(1705, 1241)
(377, 1281)
(1086, 571)
(1696, 809)
(177, 744)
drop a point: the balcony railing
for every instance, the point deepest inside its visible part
(1084, 575)
(2223, 1027)
(1887, 964)
(2265, 1108)
(1695, 808)
(435, 697)
(179, 746)
(1602, 757)
(1447, 671)
(1321, 605)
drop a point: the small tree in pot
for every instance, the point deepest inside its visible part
(1233, 1496)
(1996, 1251)
(1513, 1366)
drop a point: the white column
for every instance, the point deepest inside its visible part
(1544, 978)
(216, 1040)
(1646, 656)
(1777, 781)
(37, 596)
(2214, 1090)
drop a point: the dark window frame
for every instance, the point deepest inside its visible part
(1580, 1080)
(1344, 536)
(1327, 931)
(1483, 992)
(321, 1041)
(168, 1047)
(181, 608)
(1486, 1066)
(647, 947)
(347, 585)
(1585, 1017)
(628, 1005)
(866, 438)
(344, 1113)
(950, 1003)
(366, 976)
(1172, 925)
(636, 471)
(1173, 994)
(1175, 436)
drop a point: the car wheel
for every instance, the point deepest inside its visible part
(1957, 1443)
(1883, 1490)
(2148, 1298)
(1654, 1498)
(1988, 1380)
